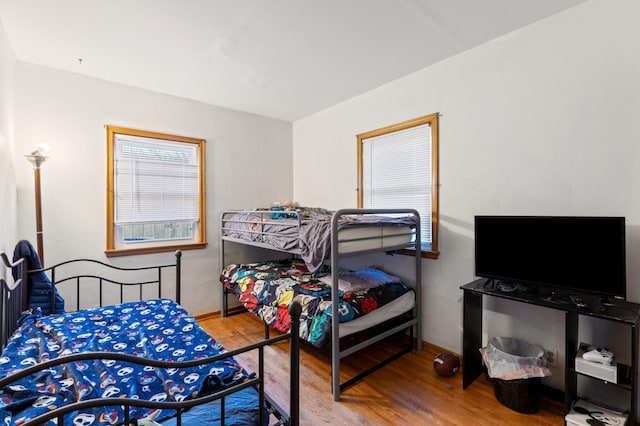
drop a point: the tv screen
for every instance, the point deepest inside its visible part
(566, 253)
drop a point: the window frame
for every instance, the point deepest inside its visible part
(160, 246)
(432, 120)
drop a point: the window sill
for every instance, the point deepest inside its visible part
(425, 254)
(148, 250)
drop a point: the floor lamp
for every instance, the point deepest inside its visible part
(36, 158)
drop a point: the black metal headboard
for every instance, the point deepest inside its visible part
(13, 297)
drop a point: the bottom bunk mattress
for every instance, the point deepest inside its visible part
(156, 329)
(367, 297)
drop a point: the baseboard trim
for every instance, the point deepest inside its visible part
(435, 349)
(216, 314)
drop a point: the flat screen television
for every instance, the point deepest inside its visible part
(567, 254)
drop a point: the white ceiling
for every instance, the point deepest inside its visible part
(285, 59)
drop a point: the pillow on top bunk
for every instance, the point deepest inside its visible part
(361, 280)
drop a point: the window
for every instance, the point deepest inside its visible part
(398, 168)
(155, 192)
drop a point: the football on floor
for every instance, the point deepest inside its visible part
(446, 364)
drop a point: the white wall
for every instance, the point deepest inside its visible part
(541, 121)
(248, 160)
(8, 201)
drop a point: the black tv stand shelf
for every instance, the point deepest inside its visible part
(627, 313)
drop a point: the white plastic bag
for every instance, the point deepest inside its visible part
(507, 358)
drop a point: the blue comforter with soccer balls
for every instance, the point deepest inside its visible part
(156, 329)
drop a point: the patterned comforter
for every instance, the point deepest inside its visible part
(267, 288)
(156, 329)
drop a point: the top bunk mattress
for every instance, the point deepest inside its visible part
(309, 231)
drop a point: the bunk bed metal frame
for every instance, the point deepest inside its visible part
(337, 353)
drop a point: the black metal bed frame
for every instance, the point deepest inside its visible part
(14, 301)
(157, 279)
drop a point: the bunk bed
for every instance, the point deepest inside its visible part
(318, 241)
(144, 360)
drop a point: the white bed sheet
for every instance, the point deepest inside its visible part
(391, 310)
(377, 237)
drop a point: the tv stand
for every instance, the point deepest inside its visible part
(627, 313)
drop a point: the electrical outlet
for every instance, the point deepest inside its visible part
(551, 355)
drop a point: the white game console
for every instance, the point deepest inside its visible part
(584, 413)
(597, 363)
(600, 355)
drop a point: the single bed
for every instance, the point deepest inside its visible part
(144, 361)
(319, 241)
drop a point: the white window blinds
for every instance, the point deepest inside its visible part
(155, 180)
(396, 173)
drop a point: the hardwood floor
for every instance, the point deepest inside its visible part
(405, 392)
